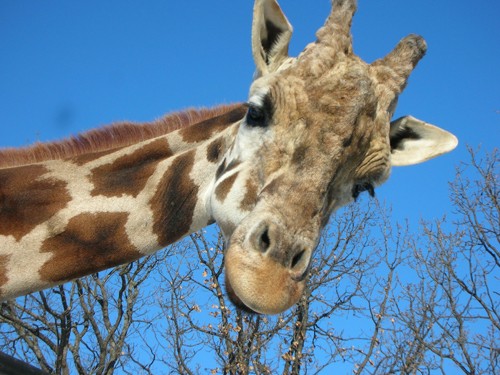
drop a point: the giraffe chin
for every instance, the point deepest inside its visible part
(259, 285)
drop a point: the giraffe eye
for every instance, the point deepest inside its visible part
(359, 188)
(256, 116)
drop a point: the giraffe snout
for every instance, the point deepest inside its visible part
(267, 263)
(270, 239)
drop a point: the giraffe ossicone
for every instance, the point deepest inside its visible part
(315, 132)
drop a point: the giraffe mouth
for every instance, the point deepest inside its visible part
(239, 304)
(236, 301)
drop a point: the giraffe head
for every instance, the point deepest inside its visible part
(317, 133)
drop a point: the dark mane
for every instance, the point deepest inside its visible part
(108, 137)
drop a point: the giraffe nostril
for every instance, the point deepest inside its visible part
(299, 265)
(297, 258)
(264, 241)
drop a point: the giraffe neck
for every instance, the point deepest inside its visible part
(66, 218)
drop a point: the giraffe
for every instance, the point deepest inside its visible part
(315, 133)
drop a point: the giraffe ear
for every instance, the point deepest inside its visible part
(271, 33)
(414, 141)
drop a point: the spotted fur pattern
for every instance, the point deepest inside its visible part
(108, 204)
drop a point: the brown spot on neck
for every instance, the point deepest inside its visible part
(27, 199)
(174, 203)
(214, 150)
(225, 186)
(90, 243)
(129, 174)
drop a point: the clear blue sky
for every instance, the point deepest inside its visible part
(68, 66)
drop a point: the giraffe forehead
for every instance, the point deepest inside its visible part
(338, 94)
(313, 121)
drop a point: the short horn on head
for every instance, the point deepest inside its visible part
(394, 69)
(337, 29)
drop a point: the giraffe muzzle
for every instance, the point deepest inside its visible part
(267, 270)
(295, 257)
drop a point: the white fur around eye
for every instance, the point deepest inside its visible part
(257, 98)
(248, 142)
